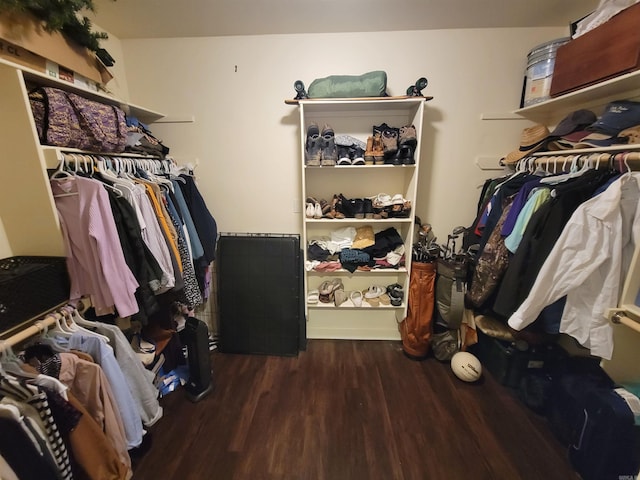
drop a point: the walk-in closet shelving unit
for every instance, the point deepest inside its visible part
(27, 208)
(356, 117)
(595, 98)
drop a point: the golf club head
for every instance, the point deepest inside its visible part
(459, 230)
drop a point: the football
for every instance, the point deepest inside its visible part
(466, 366)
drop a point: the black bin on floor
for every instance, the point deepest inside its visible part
(260, 294)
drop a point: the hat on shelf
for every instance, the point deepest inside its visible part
(569, 141)
(630, 135)
(532, 139)
(617, 116)
(575, 121)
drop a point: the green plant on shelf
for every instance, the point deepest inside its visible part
(64, 16)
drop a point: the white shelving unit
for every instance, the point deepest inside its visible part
(27, 208)
(357, 117)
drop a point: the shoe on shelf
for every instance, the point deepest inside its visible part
(328, 288)
(344, 157)
(378, 149)
(313, 146)
(396, 294)
(313, 297)
(390, 144)
(310, 210)
(358, 204)
(397, 199)
(367, 207)
(369, 153)
(374, 291)
(384, 299)
(326, 208)
(379, 129)
(317, 211)
(407, 136)
(339, 297)
(407, 142)
(356, 298)
(357, 156)
(329, 155)
(381, 200)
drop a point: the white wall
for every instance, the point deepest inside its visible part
(245, 138)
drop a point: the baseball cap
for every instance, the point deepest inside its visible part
(578, 120)
(617, 116)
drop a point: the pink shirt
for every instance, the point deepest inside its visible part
(94, 256)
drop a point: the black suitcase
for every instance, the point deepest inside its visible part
(607, 447)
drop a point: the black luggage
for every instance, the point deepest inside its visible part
(607, 447)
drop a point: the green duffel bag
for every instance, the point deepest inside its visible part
(371, 84)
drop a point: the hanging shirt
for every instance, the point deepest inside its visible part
(154, 239)
(587, 264)
(103, 355)
(139, 379)
(94, 256)
(90, 386)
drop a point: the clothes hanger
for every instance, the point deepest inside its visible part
(45, 339)
(574, 172)
(11, 364)
(75, 327)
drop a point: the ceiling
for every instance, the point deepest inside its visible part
(195, 18)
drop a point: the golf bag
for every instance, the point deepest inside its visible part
(416, 328)
(451, 286)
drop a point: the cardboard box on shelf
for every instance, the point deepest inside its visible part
(26, 42)
(604, 52)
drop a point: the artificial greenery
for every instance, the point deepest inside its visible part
(60, 16)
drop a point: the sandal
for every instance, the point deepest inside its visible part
(356, 298)
(327, 290)
(312, 297)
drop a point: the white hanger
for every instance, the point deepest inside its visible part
(75, 327)
(10, 363)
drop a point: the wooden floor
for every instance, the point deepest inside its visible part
(349, 410)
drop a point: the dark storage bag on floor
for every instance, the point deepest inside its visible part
(509, 362)
(68, 120)
(572, 383)
(607, 445)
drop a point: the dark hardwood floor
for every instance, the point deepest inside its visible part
(349, 410)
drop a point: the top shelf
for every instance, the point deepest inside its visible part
(594, 97)
(358, 100)
(143, 114)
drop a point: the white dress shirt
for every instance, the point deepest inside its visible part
(588, 264)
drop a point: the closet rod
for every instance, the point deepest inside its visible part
(38, 326)
(60, 152)
(622, 160)
(622, 319)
